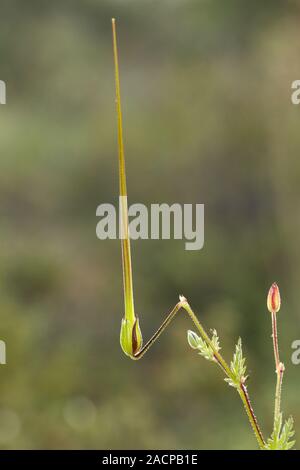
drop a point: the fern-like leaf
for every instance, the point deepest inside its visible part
(237, 367)
(196, 342)
(281, 438)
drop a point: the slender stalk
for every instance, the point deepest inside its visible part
(275, 340)
(278, 389)
(158, 332)
(279, 369)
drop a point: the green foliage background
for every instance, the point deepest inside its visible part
(206, 91)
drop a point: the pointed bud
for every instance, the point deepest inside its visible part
(130, 337)
(273, 299)
(193, 339)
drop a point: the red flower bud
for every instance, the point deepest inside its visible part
(273, 299)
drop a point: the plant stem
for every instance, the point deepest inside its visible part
(278, 392)
(275, 340)
(206, 338)
(158, 332)
(279, 369)
(242, 390)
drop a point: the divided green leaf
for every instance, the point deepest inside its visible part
(237, 367)
(281, 438)
(196, 342)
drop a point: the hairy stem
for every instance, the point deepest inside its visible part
(278, 389)
(275, 340)
(279, 369)
(243, 393)
(206, 338)
(242, 390)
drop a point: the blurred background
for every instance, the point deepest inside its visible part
(206, 88)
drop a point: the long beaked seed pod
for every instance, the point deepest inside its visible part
(130, 335)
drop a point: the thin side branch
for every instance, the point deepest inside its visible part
(158, 332)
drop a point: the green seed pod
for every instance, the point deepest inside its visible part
(130, 337)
